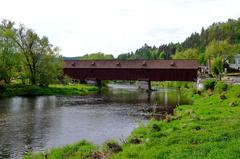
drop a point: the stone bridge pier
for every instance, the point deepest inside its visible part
(144, 85)
(94, 82)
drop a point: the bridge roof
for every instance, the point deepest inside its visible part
(132, 64)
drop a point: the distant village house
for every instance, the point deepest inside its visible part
(236, 65)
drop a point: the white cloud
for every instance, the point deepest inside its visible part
(116, 26)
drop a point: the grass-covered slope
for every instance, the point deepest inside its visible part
(209, 128)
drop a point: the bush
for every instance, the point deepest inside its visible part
(2, 88)
(112, 146)
(135, 140)
(221, 86)
(155, 127)
(66, 80)
(209, 84)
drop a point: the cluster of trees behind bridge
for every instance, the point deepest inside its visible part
(219, 43)
(32, 59)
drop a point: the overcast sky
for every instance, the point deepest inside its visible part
(79, 27)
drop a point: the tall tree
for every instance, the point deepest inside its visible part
(220, 49)
(187, 54)
(218, 67)
(8, 54)
(34, 50)
(162, 56)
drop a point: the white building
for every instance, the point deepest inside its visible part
(236, 65)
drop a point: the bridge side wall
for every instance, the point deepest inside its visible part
(133, 74)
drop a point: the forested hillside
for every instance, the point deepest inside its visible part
(224, 36)
(220, 39)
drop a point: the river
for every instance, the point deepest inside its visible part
(42, 122)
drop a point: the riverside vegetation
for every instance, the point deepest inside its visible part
(208, 128)
(54, 89)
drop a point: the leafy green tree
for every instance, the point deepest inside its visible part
(217, 67)
(126, 56)
(187, 54)
(220, 49)
(222, 32)
(53, 63)
(154, 53)
(97, 56)
(162, 55)
(151, 52)
(35, 51)
(8, 55)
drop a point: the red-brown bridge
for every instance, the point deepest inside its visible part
(142, 70)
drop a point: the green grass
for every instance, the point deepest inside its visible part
(209, 128)
(29, 90)
(172, 84)
(79, 150)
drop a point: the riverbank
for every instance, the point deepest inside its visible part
(209, 128)
(29, 90)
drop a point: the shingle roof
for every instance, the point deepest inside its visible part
(132, 64)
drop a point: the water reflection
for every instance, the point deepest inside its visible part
(23, 121)
(39, 123)
(162, 97)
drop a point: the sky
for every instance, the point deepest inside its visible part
(81, 27)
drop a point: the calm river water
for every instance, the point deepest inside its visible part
(43, 122)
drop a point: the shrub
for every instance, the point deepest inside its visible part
(209, 84)
(112, 146)
(66, 80)
(135, 140)
(193, 90)
(221, 86)
(223, 96)
(2, 88)
(97, 155)
(217, 66)
(155, 127)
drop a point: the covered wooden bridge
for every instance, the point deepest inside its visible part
(142, 70)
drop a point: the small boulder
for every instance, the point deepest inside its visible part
(168, 118)
(97, 155)
(135, 140)
(223, 96)
(113, 147)
(232, 104)
(198, 128)
(156, 127)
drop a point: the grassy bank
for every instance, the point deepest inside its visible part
(209, 128)
(29, 90)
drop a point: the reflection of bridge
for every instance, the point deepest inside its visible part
(142, 70)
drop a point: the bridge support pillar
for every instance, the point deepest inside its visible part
(97, 83)
(144, 85)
